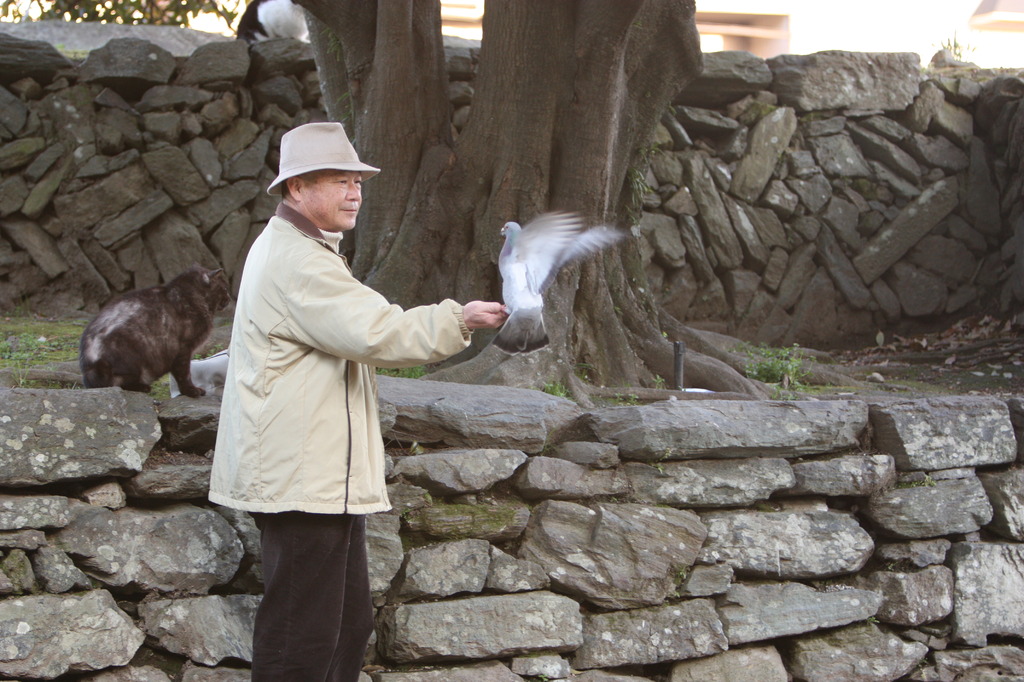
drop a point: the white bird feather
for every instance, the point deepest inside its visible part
(530, 259)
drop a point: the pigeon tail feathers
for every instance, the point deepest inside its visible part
(523, 332)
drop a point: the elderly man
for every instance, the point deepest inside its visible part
(299, 444)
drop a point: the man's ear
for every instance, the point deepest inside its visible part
(294, 185)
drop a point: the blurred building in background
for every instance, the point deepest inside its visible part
(989, 33)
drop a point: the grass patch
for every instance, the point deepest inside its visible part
(417, 372)
(781, 366)
(27, 341)
(926, 482)
(558, 389)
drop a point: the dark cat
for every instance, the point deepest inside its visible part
(144, 334)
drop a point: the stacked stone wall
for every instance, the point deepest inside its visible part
(819, 199)
(677, 541)
(804, 199)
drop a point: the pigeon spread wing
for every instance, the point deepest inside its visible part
(530, 260)
(544, 244)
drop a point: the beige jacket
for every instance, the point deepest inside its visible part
(299, 429)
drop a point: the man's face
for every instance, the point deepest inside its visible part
(331, 199)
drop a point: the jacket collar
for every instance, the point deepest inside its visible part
(301, 222)
(306, 227)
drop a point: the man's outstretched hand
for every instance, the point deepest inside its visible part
(484, 314)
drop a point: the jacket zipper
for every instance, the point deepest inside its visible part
(348, 416)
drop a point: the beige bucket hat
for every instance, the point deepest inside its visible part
(317, 146)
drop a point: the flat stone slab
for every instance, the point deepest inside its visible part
(455, 472)
(857, 653)
(179, 548)
(51, 435)
(24, 56)
(207, 629)
(45, 636)
(911, 598)
(854, 475)
(642, 636)
(787, 544)
(944, 433)
(836, 79)
(492, 671)
(709, 483)
(930, 510)
(917, 219)
(727, 76)
(89, 35)
(18, 512)
(752, 613)
(464, 415)
(617, 556)
(988, 596)
(481, 627)
(761, 663)
(730, 428)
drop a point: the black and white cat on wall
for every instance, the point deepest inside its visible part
(266, 19)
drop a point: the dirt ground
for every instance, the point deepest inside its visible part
(976, 356)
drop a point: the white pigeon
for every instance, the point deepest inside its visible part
(530, 259)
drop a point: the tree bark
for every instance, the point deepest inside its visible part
(566, 98)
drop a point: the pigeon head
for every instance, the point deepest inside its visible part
(509, 231)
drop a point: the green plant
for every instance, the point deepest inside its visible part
(959, 51)
(866, 188)
(582, 370)
(638, 187)
(636, 181)
(926, 482)
(557, 388)
(783, 366)
(898, 566)
(659, 381)
(679, 580)
(417, 372)
(755, 112)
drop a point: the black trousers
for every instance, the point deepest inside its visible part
(316, 616)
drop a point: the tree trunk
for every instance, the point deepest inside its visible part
(566, 98)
